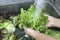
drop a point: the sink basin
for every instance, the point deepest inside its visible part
(13, 6)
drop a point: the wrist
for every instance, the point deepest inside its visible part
(56, 22)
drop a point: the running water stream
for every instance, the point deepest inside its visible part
(39, 5)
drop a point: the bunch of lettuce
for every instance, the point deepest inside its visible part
(26, 18)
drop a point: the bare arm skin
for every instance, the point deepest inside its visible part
(37, 35)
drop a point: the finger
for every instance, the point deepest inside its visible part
(49, 17)
(50, 24)
(46, 14)
(31, 32)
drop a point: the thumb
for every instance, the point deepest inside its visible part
(31, 32)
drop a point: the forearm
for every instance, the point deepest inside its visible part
(45, 37)
(38, 35)
(41, 36)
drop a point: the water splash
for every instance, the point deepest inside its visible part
(39, 4)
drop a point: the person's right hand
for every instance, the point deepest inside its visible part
(37, 35)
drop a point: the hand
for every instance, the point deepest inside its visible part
(51, 21)
(38, 36)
